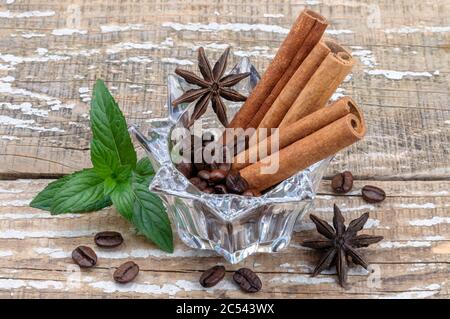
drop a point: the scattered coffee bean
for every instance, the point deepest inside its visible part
(108, 239)
(220, 189)
(236, 183)
(373, 194)
(222, 166)
(126, 272)
(251, 192)
(84, 256)
(247, 280)
(212, 276)
(185, 168)
(342, 182)
(217, 175)
(205, 175)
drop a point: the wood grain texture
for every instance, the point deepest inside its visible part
(412, 261)
(51, 53)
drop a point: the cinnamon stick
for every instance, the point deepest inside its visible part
(296, 84)
(297, 131)
(286, 53)
(319, 89)
(305, 152)
(314, 36)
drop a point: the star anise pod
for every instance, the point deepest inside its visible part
(340, 242)
(212, 87)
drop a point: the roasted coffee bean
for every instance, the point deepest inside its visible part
(126, 272)
(251, 192)
(108, 239)
(373, 194)
(217, 175)
(185, 168)
(222, 166)
(342, 183)
(195, 180)
(235, 183)
(84, 256)
(220, 189)
(204, 174)
(208, 190)
(247, 280)
(212, 276)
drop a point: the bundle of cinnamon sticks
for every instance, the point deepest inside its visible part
(292, 98)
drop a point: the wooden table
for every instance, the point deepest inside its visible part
(51, 54)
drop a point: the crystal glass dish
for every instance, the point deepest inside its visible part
(232, 225)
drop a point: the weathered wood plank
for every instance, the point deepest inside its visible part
(413, 260)
(50, 63)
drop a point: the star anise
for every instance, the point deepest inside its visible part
(212, 87)
(340, 243)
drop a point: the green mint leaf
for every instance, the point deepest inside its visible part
(83, 192)
(150, 218)
(45, 198)
(123, 174)
(123, 199)
(111, 146)
(144, 172)
(109, 185)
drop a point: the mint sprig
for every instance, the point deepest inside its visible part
(116, 178)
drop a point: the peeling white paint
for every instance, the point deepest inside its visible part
(301, 279)
(410, 243)
(436, 220)
(138, 59)
(118, 47)
(339, 32)
(340, 92)
(406, 30)
(346, 209)
(26, 124)
(215, 27)
(26, 108)
(13, 216)
(18, 234)
(365, 56)
(27, 14)
(6, 253)
(29, 35)
(416, 206)
(398, 75)
(120, 28)
(176, 61)
(434, 238)
(10, 138)
(68, 31)
(165, 289)
(273, 15)
(36, 284)
(411, 295)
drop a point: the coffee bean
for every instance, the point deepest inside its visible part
(108, 239)
(342, 183)
(217, 175)
(220, 189)
(185, 168)
(373, 194)
(84, 256)
(126, 272)
(204, 174)
(195, 180)
(222, 166)
(247, 280)
(236, 183)
(212, 276)
(251, 192)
